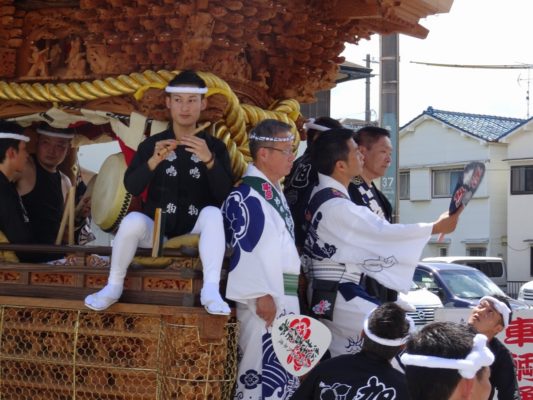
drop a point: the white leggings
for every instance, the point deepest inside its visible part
(136, 230)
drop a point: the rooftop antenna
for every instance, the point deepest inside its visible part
(528, 80)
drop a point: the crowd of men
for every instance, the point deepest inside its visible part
(329, 221)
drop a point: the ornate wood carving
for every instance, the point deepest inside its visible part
(283, 48)
(174, 285)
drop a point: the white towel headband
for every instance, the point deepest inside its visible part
(55, 134)
(310, 124)
(480, 356)
(185, 89)
(388, 342)
(255, 136)
(16, 136)
(500, 306)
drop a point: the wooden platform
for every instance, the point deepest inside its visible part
(143, 285)
(57, 349)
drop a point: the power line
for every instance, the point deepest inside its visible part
(489, 66)
(482, 66)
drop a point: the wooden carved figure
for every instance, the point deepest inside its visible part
(39, 62)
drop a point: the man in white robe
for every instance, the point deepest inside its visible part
(265, 265)
(345, 240)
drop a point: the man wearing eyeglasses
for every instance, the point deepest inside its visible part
(491, 316)
(264, 266)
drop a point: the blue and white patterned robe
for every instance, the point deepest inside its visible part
(263, 249)
(345, 240)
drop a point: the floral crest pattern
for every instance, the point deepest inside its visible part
(297, 333)
(250, 379)
(237, 211)
(322, 307)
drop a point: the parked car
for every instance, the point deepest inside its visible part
(526, 293)
(493, 267)
(425, 303)
(459, 285)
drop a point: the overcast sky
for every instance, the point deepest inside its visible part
(473, 32)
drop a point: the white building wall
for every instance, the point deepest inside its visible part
(519, 210)
(497, 184)
(429, 145)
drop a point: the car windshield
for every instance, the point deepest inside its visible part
(471, 284)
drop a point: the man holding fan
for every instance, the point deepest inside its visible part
(264, 265)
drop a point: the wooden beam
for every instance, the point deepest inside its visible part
(101, 250)
(350, 9)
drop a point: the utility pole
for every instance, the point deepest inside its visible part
(367, 92)
(389, 110)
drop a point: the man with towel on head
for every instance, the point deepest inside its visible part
(43, 187)
(491, 316)
(303, 176)
(369, 373)
(14, 221)
(264, 265)
(447, 361)
(187, 175)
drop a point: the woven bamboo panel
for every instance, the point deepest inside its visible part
(79, 354)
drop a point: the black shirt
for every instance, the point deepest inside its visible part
(360, 376)
(298, 187)
(181, 185)
(14, 221)
(45, 205)
(503, 373)
(371, 197)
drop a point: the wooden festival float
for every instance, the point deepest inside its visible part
(99, 66)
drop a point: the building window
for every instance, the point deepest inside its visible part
(477, 251)
(444, 182)
(404, 185)
(522, 180)
(443, 251)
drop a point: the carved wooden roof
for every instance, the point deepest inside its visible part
(276, 48)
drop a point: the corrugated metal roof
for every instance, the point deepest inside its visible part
(490, 128)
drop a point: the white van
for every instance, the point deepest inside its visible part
(526, 293)
(493, 267)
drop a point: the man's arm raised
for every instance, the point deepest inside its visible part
(446, 222)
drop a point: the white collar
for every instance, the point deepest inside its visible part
(327, 181)
(252, 170)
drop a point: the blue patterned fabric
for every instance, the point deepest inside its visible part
(244, 236)
(277, 382)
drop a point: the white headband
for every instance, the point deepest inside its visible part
(310, 124)
(55, 134)
(388, 342)
(480, 356)
(16, 136)
(186, 89)
(254, 136)
(501, 307)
